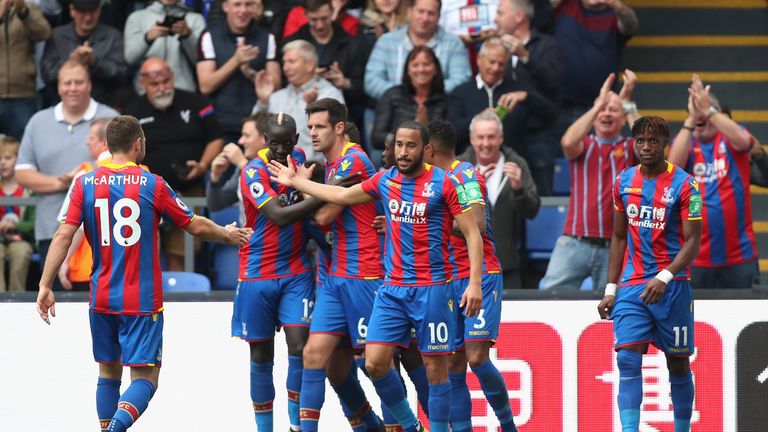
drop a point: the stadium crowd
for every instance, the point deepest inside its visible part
(524, 82)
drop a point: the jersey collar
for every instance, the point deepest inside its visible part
(119, 166)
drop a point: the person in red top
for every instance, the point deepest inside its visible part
(297, 18)
(715, 150)
(596, 159)
(120, 205)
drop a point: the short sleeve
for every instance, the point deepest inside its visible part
(690, 201)
(207, 115)
(72, 211)
(26, 158)
(172, 207)
(469, 178)
(255, 186)
(618, 204)
(371, 185)
(454, 195)
(205, 49)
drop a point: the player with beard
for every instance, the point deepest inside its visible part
(421, 202)
(183, 138)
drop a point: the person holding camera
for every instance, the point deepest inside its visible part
(169, 30)
(183, 137)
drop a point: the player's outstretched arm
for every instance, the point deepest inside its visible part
(57, 252)
(207, 230)
(286, 176)
(472, 299)
(615, 260)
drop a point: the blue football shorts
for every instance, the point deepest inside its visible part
(134, 340)
(262, 306)
(344, 308)
(485, 325)
(430, 310)
(667, 324)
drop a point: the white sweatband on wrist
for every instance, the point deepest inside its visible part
(610, 289)
(665, 276)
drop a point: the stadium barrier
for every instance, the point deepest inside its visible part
(556, 356)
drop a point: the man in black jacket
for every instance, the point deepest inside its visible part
(512, 194)
(98, 46)
(539, 56)
(513, 98)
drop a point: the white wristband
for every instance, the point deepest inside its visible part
(665, 276)
(610, 289)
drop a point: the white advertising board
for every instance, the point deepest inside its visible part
(556, 357)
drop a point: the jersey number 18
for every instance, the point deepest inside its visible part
(129, 220)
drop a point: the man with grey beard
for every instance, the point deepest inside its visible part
(183, 137)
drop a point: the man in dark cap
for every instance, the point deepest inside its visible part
(98, 46)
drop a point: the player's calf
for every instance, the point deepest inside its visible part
(683, 392)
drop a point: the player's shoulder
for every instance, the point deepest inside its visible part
(626, 175)
(682, 177)
(298, 155)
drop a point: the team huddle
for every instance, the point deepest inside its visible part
(405, 274)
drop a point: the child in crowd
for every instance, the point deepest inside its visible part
(17, 223)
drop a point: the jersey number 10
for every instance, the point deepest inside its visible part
(129, 220)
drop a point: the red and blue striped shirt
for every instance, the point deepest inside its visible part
(592, 176)
(655, 210)
(477, 193)
(120, 207)
(356, 244)
(418, 222)
(727, 237)
(272, 252)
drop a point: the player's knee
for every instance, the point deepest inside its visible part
(476, 355)
(437, 369)
(458, 362)
(261, 353)
(630, 363)
(375, 368)
(678, 365)
(314, 356)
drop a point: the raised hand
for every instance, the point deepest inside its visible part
(282, 174)
(630, 80)
(605, 92)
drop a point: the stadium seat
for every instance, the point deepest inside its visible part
(587, 284)
(541, 233)
(226, 216)
(227, 265)
(185, 282)
(561, 183)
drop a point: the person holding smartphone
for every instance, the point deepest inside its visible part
(169, 30)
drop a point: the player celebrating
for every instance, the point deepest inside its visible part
(474, 335)
(344, 305)
(658, 225)
(120, 206)
(276, 287)
(420, 200)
